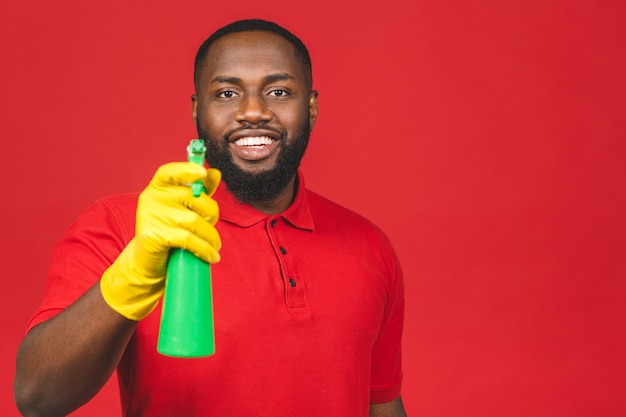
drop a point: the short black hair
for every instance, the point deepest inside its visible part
(248, 25)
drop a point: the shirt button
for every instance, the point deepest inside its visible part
(273, 223)
(292, 282)
(283, 250)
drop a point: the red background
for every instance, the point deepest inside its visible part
(486, 137)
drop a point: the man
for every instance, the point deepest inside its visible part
(308, 296)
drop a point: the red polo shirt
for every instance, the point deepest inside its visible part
(308, 310)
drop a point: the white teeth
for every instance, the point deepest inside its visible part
(253, 141)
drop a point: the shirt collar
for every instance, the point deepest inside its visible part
(298, 214)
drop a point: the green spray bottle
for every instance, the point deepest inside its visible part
(187, 328)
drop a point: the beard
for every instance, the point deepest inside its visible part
(263, 186)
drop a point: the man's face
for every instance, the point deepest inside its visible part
(254, 108)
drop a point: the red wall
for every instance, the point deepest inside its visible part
(486, 137)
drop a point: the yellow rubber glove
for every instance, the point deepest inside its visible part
(168, 216)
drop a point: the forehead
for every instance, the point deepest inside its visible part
(253, 52)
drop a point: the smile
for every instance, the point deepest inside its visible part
(255, 141)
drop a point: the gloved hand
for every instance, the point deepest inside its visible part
(168, 216)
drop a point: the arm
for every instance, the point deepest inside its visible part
(393, 408)
(65, 360)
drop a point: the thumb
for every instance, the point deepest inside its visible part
(212, 180)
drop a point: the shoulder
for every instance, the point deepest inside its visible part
(109, 215)
(360, 241)
(348, 226)
(120, 203)
(327, 212)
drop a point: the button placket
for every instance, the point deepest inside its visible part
(294, 293)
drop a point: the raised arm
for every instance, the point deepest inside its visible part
(63, 362)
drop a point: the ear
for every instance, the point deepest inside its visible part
(313, 108)
(194, 109)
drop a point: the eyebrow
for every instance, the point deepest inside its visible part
(268, 79)
(280, 77)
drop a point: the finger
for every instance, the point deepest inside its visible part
(178, 173)
(202, 247)
(205, 206)
(166, 200)
(196, 225)
(203, 250)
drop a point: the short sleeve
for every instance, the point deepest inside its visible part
(386, 375)
(88, 247)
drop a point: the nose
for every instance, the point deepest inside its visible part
(253, 109)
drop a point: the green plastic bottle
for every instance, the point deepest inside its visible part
(187, 328)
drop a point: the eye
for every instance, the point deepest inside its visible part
(227, 94)
(278, 93)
